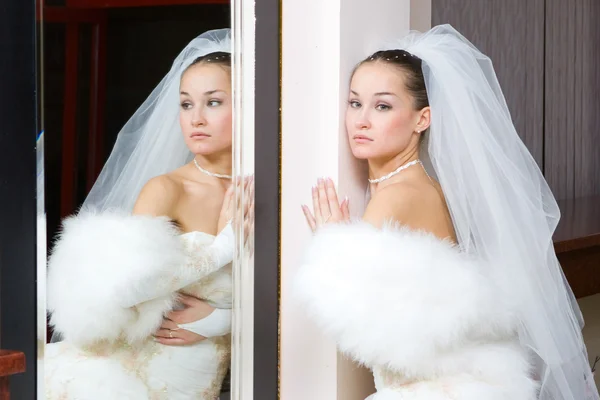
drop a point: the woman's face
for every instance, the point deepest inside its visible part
(205, 109)
(380, 119)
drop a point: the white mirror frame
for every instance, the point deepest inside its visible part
(242, 356)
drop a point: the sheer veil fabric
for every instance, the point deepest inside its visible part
(501, 205)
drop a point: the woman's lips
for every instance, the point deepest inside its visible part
(199, 135)
(362, 139)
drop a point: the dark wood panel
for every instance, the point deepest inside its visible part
(587, 152)
(511, 33)
(267, 197)
(581, 268)
(577, 244)
(579, 226)
(572, 104)
(546, 56)
(11, 362)
(559, 132)
(137, 3)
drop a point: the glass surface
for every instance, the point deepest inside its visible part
(96, 67)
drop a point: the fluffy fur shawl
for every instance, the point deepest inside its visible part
(102, 261)
(415, 305)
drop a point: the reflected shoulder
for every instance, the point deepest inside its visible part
(158, 196)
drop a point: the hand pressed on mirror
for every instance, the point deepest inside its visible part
(228, 210)
(249, 213)
(326, 206)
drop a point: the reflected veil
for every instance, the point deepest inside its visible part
(151, 143)
(124, 286)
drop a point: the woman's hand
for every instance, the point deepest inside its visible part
(228, 211)
(326, 206)
(195, 309)
(170, 333)
(249, 212)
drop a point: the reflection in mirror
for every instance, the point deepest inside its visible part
(41, 263)
(242, 371)
(139, 200)
(40, 205)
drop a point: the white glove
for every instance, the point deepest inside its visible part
(217, 323)
(198, 264)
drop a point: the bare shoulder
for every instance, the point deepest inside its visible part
(159, 196)
(199, 201)
(396, 202)
(416, 205)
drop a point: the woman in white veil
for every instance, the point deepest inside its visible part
(503, 216)
(153, 235)
(148, 145)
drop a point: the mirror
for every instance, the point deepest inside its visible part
(138, 114)
(41, 235)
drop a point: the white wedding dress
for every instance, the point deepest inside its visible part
(108, 351)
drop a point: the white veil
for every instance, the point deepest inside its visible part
(501, 205)
(151, 142)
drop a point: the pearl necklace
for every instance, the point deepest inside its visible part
(210, 173)
(401, 168)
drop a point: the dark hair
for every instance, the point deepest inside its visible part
(220, 58)
(411, 66)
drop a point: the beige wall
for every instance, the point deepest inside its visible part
(309, 100)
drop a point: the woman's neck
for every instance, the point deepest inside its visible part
(382, 167)
(218, 163)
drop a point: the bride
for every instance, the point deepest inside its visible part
(144, 246)
(449, 287)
